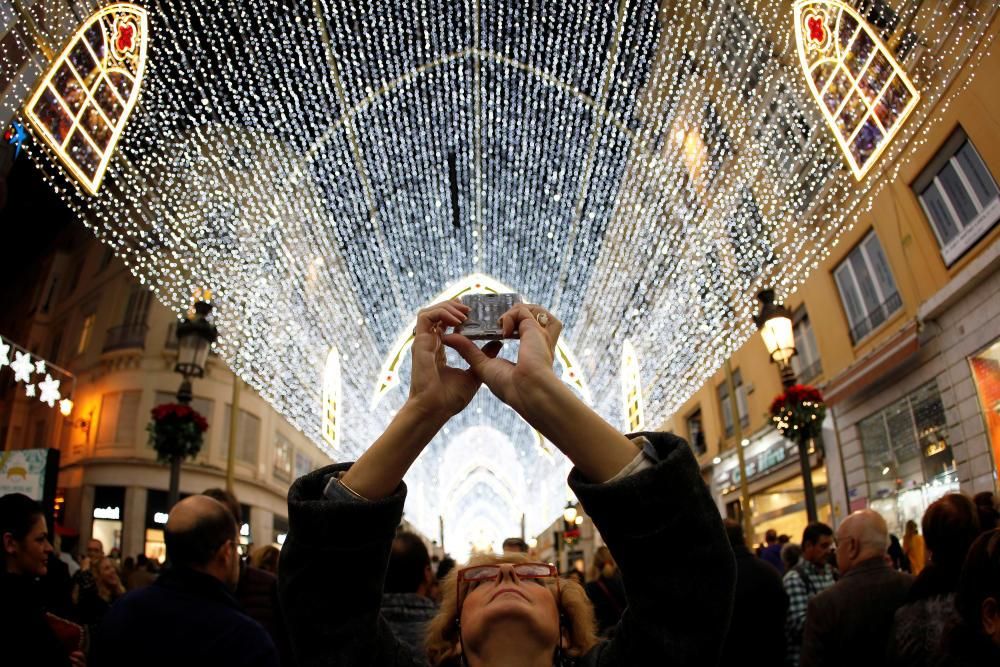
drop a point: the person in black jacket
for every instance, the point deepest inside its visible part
(645, 495)
(189, 612)
(759, 608)
(606, 591)
(31, 637)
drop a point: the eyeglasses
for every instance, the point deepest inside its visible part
(470, 577)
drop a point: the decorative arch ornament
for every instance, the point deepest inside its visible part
(332, 399)
(81, 105)
(632, 389)
(863, 93)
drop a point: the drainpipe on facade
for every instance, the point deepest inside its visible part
(234, 420)
(734, 406)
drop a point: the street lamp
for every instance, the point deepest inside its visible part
(774, 321)
(569, 514)
(195, 335)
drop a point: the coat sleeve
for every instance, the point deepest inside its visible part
(331, 573)
(677, 566)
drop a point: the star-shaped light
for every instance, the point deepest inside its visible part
(40, 366)
(29, 390)
(50, 391)
(4, 353)
(22, 366)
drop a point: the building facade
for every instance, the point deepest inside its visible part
(88, 315)
(899, 326)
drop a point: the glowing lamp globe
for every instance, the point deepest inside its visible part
(774, 322)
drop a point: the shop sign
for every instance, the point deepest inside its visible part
(762, 458)
(108, 513)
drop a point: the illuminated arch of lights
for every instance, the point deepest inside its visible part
(641, 168)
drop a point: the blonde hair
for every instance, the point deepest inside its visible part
(442, 641)
(602, 556)
(265, 558)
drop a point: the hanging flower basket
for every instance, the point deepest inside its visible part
(176, 431)
(798, 413)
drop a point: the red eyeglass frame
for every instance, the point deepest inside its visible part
(459, 578)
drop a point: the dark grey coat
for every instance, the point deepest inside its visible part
(660, 524)
(850, 623)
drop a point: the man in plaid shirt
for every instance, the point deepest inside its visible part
(811, 576)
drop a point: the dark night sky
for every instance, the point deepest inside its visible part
(32, 219)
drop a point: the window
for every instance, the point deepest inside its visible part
(959, 196)
(906, 446)
(739, 52)
(750, 238)
(282, 457)
(741, 404)
(785, 130)
(696, 435)
(86, 329)
(247, 435)
(303, 465)
(119, 418)
(867, 288)
(106, 258)
(806, 361)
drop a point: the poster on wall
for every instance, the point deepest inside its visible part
(32, 472)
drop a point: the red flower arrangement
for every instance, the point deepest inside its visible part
(799, 412)
(176, 431)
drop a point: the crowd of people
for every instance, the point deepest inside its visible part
(861, 595)
(674, 584)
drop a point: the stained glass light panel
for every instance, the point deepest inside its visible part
(83, 102)
(862, 91)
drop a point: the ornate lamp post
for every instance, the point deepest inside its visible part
(774, 321)
(195, 335)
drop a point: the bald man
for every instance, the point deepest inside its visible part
(849, 623)
(189, 613)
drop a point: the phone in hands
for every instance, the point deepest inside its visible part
(483, 320)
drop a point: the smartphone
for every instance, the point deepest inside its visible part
(483, 321)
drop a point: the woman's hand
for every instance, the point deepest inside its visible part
(518, 385)
(531, 387)
(435, 386)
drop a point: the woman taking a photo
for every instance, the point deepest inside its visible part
(644, 494)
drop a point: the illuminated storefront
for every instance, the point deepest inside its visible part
(908, 456)
(777, 499)
(986, 372)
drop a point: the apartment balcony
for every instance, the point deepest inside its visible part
(126, 336)
(876, 317)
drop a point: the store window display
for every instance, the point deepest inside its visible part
(986, 372)
(908, 458)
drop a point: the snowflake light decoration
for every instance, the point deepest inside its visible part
(642, 169)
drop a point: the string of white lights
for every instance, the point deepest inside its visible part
(643, 168)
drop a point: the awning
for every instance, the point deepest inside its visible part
(874, 365)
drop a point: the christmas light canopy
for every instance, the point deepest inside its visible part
(642, 169)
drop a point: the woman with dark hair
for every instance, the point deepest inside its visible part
(975, 641)
(645, 494)
(950, 525)
(37, 638)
